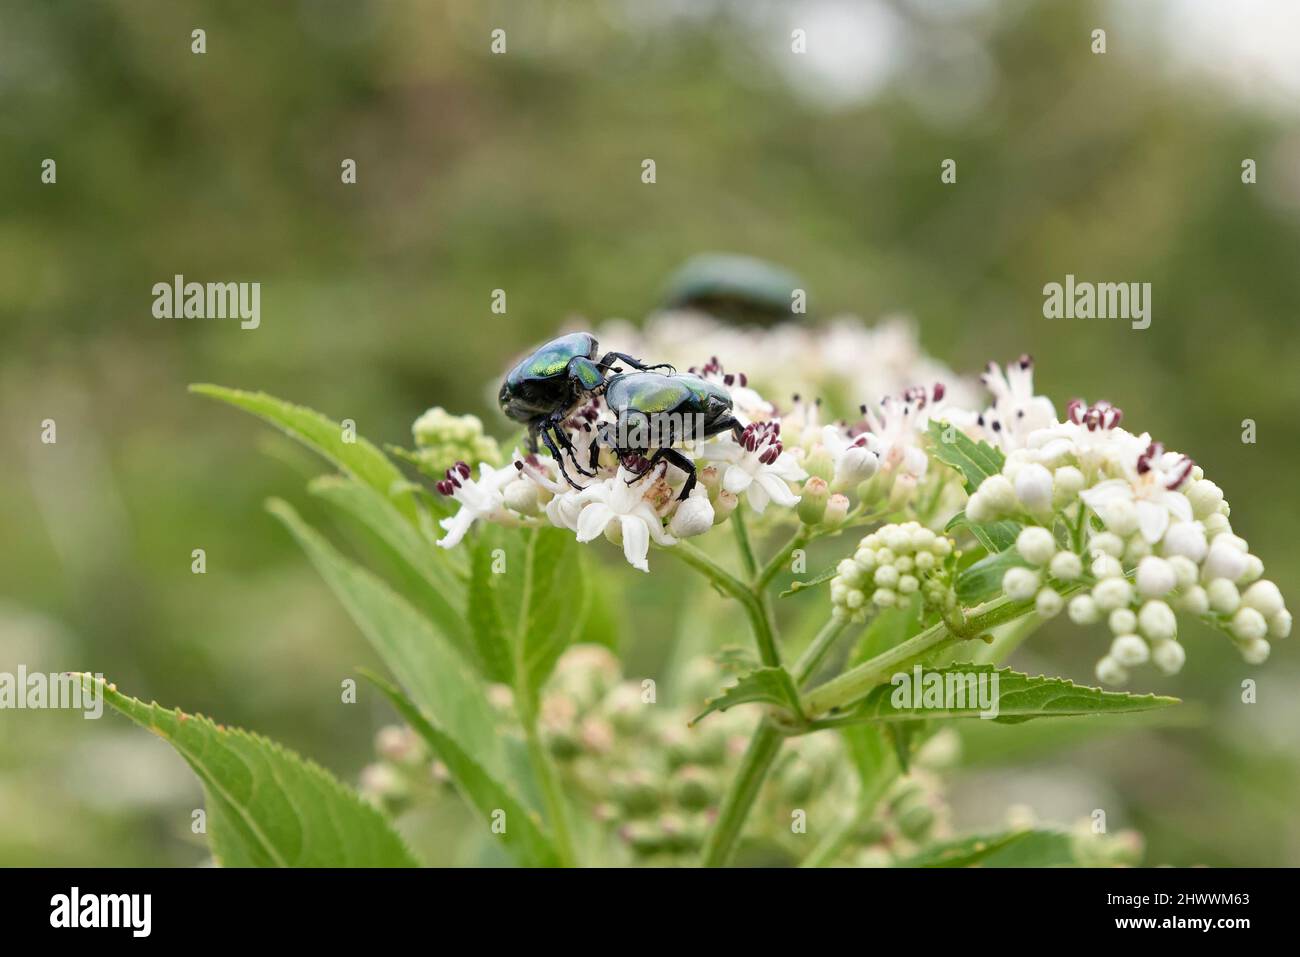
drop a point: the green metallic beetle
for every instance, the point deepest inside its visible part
(547, 385)
(656, 412)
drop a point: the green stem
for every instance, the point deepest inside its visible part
(758, 608)
(742, 542)
(774, 565)
(816, 651)
(760, 754)
(552, 793)
(856, 682)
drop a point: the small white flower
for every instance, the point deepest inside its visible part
(1150, 485)
(759, 467)
(1016, 411)
(694, 516)
(1066, 566)
(1122, 621)
(479, 498)
(1194, 601)
(616, 503)
(854, 462)
(897, 428)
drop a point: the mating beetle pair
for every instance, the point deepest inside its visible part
(546, 387)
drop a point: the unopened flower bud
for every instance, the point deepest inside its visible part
(1067, 482)
(1255, 651)
(856, 465)
(521, 496)
(1156, 620)
(1048, 603)
(1264, 597)
(1066, 566)
(694, 516)
(1107, 543)
(1193, 601)
(1036, 545)
(998, 494)
(1205, 497)
(837, 510)
(1223, 595)
(1248, 624)
(1168, 656)
(1034, 487)
(1111, 672)
(1121, 621)
(724, 506)
(1112, 593)
(1216, 525)
(1279, 626)
(1186, 539)
(1083, 610)
(1130, 651)
(1120, 517)
(812, 502)
(1021, 584)
(1155, 577)
(819, 464)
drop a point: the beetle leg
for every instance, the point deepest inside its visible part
(609, 358)
(593, 454)
(726, 422)
(682, 462)
(567, 444)
(559, 458)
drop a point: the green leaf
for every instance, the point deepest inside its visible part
(975, 460)
(994, 536)
(964, 851)
(360, 459)
(266, 806)
(770, 685)
(433, 673)
(1042, 847)
(983, 580)
(434, 585)
(818, 579)
(523, 835)
(492, 641)
(954, 692)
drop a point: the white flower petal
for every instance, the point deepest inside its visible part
(736, 479)
(636, 542)
(1153, 519)
(593, 519)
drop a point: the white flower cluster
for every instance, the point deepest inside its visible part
(890, 565)
(1137, 532)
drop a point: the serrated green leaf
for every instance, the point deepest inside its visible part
(819, 579)
(983, 580)
(964, 851)
(266, 806)
(492, 641)
(769, 685)
(994, 536)
(360, 459)
(1041, 847)
(433, 584)
(954, 692)
(424, 662)
(523, 835)
(975, 460)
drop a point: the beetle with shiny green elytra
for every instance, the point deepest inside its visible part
(654, 412)
(545, 387)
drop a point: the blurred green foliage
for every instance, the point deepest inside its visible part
(522, 172)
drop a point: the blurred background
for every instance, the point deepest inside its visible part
(523, 172)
